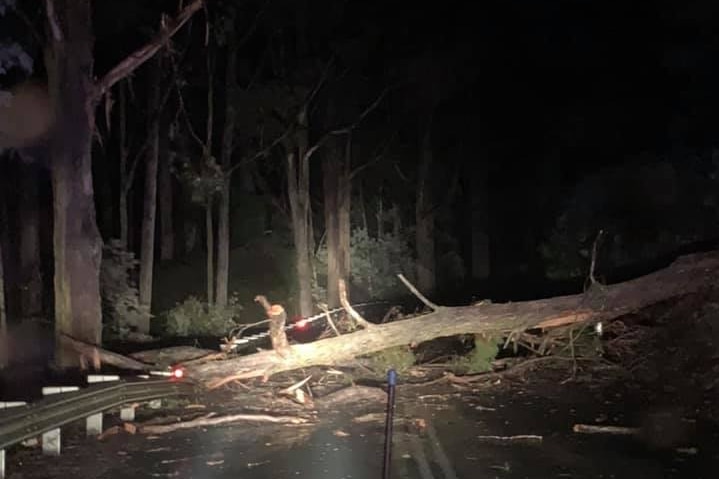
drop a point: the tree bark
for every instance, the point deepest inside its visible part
(687, 275)
(76, 240)
(424, 215)
(298, 188)
(344, 210)
(210, 236)
(337, 195)
(147, 248)
(77, 243)
(331, 166)
(228, 137)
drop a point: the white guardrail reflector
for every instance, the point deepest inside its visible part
(47, 390)
(102, 378)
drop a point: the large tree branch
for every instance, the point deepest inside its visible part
(144, 53)
(687, 275)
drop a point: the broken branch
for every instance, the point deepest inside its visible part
(144, 53)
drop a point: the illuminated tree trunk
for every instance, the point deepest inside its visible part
(298, 188)
(228, 137)
(330, 179)
(344, 209)
(77, 244)
(337, 193)
(210, 237)
(76, 239)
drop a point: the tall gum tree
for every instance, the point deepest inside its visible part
(73, 96)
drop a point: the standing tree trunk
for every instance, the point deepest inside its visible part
(77, 243)
(330, 178)
(31, 285)
(228, 137)
(337, 191)
(147, 248)
(424, 215)
(209, 203)
(344, 211)
(298, 188)
(210, 236)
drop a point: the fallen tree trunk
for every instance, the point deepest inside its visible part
(98, 355)
(688, 274)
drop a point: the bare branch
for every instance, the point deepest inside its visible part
(348, 307)
(348, 129)
(317, 87)
(377, 157)
(144, 53)
(419, 295)
(263, 152)
(253, 26)
(324, 309)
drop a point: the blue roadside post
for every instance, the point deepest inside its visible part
(391, 383)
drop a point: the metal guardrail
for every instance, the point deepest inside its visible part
(44, 416)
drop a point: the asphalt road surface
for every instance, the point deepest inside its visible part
(437, 436)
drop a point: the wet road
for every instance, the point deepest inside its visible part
(447, 446)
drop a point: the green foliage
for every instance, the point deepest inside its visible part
(400, 359)
(193, 317)
(121, 308)
(375, 263)
(479, 360)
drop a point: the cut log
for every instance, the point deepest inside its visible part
(688, 274)
(108, 357)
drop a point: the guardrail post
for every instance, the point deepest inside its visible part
(127, 414)
(7, 405)
(93, 424)
(51, 439)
